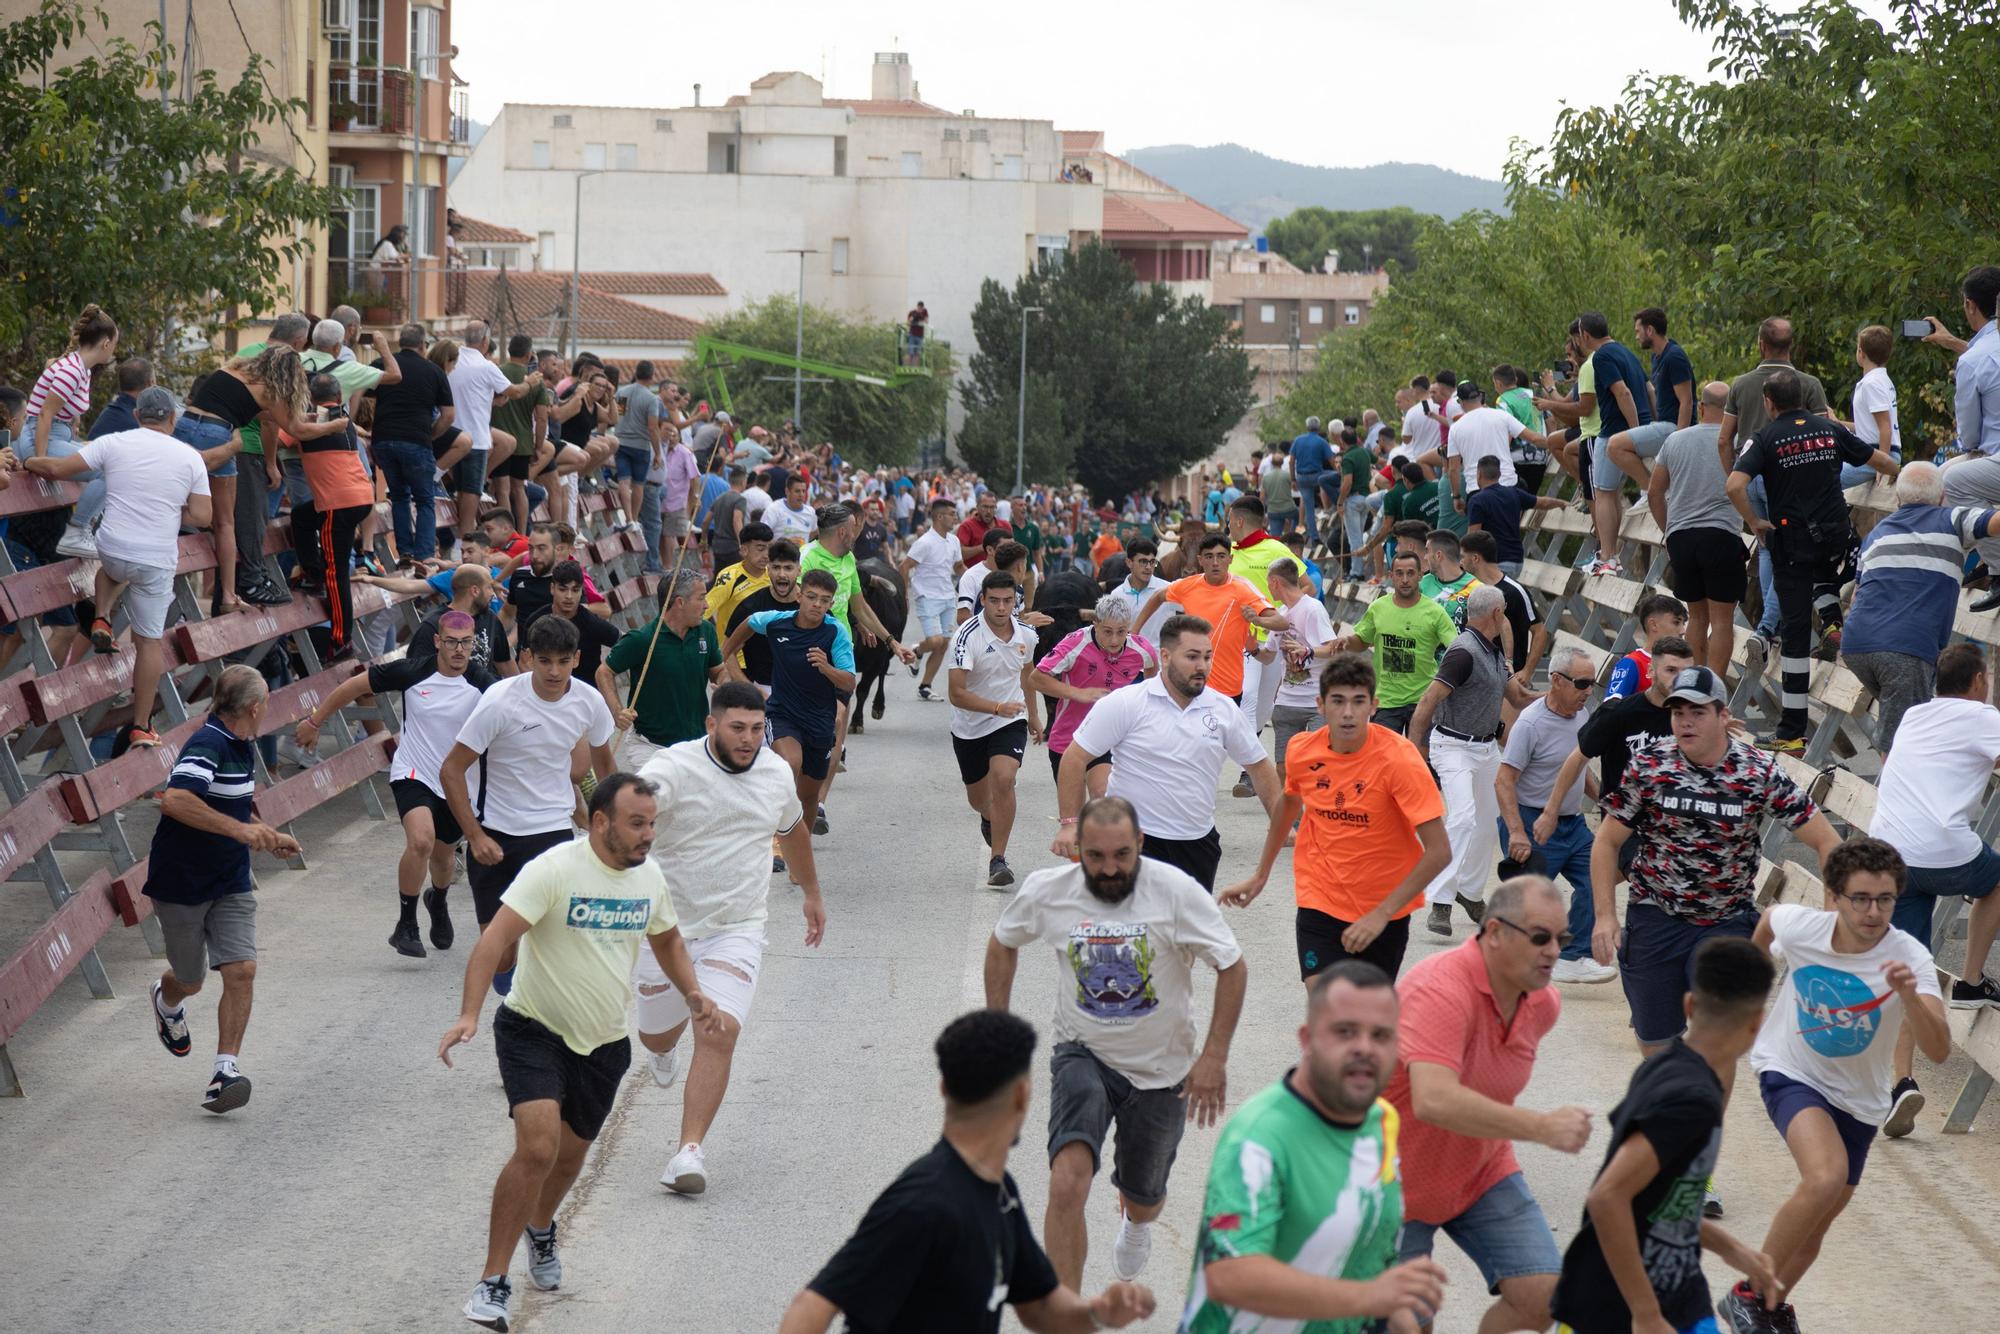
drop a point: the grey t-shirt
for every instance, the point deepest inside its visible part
(1477, 674)
(1746, 399)
(642, 408)
(1697, 494)
(1537, 744)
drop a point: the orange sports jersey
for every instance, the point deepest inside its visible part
(1221, 606)
(1358, 838)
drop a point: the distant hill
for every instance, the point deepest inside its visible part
(1254, 188)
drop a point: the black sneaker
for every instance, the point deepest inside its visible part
(441, 932)
(226, 1092)
(173, 1032)
(262, 592)
(999, 875)
(1784, 1319)
(1905, 1101)
(1972, 995)
(404, 940)
(1474, 908)
(924, 692)
(777, 865)
(820, 825)
(1742, 1312)
(986, 831)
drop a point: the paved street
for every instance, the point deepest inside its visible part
(351, 1194)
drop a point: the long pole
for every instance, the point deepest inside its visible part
(798, 354)
(576, 262)
(1021, 408)
(416, 168)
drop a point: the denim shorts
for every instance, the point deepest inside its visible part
(202, 433)
(468, 475)
(1503, 1232)
(633, 463)
(937, 616)
(1604, 474)
(1925, 885)
(1785, 1098)
(1087, 1097)
(1656, 965)
(1647, 439)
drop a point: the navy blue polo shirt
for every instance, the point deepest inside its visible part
(191, 865)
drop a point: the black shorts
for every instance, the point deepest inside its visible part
(538, 1066)
(1320, 947)
(1529, 476)
(516, 850)
(1708, 565)
(443, 444)
(412, 795)
(1055, 761)
(1197, 856)
(815, 747)
(516, 465)
(976, 754)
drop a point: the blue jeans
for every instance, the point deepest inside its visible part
(409, 469)
(62, 444)
(1308, 497)
(1566, 854)
(1854, 474)
(1357, 515)
(649, 524)
(1767, 619)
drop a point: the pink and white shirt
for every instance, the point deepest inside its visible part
(1078, 660)
(68, 377)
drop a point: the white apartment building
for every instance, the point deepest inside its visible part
(898, 200)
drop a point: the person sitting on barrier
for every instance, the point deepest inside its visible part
(198, 876)
(153, 485)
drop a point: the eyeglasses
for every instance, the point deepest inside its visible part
(455, 643)
(1580, 682)
(1880, 902)
(1537, 937)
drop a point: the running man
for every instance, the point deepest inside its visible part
(1407, 633)
(948, 1243)
(931, 568)
(577, 914)
(1305, 1196)
(1824, 1056)
(1130, 931)
(992, 658)
(439, 694)
(1374, 837)
(1230, 604)
(198, 876)
(779, 593)
(1084, 667)
(525, 729)
(729, 795)
(812, 672)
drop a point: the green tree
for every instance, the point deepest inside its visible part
(869, 424)
(157, 211)
(1144, 383)
(1366, 238)
(1832, 170)
(1487, 289)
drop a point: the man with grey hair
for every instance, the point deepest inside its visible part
(349, 319)
(1457, 726)
(1689, 498)
(153, 486)
(1538, 742)
(1906, 595)
(672, 662)
(198, 876)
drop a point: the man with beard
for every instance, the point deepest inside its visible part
(577, 913)
(1304, 1191)
(729, 794)
(1169, 737)
(1472, 1020)
(1130, 930)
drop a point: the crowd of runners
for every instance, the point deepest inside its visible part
(623, 803)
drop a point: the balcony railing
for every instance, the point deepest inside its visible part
(364, 99)
(382, 291)
(461, 117)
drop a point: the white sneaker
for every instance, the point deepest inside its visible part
(686, 1174)
(1129, 1252)
(77, 542)
(1583, 970)
(666, 1066)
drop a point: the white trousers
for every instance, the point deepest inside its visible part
(1260, 688)
(1466, 773)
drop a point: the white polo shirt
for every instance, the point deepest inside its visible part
(474, 383)
(992, 665)
(715, 849)
(1166, 760)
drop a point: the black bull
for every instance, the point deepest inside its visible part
(882, 585)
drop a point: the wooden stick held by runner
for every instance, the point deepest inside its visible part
(668, 580)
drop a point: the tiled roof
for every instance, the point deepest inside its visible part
(1150, 215)
(539, 302)
(656, 284)
(1082, 141)
(474, 232)
(869, 106)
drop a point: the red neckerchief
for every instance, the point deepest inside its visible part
(1253, 539)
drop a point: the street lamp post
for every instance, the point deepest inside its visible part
(1021, 413)
(576, 261)
(798, 339)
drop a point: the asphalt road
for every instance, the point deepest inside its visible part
(351, 1193)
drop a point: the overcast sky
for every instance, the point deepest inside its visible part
(1327, 82)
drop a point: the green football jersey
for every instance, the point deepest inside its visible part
(1288, 1183)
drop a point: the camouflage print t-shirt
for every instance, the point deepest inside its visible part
(1697, 828)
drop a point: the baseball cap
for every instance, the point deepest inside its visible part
(1698, 685)
(722, 416)
(155, 404)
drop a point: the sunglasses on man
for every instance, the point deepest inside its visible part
(1537, 937)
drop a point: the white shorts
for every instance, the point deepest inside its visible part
(937, 616)
(661, 1007)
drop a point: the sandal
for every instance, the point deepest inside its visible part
(102, 637)
(143, 736)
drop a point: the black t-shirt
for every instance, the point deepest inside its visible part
(1675, 1101)
(940, 1249)
(489, 640)
(1799, 456)
(1619, 728)
(757, 649)
(871, 541)
(1521, 615)
(408, 411)
(528, 593)
(1061, 597)
(594, 634)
